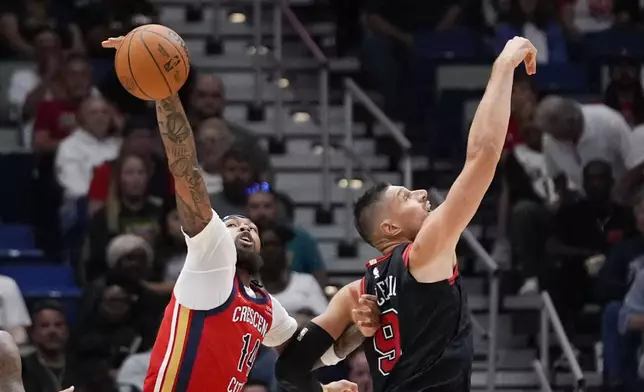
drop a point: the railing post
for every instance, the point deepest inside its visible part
(326, 142)
(278, 110)
(216, 20)
(407, 170)
(257, 42)
(544, 337)
(492, 330)
(348, 168)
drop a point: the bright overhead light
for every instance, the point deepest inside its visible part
(355, 183)
(237, 17)
(283, 83)
(330, 291)
(251, 50)
(301, 117)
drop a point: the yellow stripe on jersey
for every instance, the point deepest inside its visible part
(181, 335)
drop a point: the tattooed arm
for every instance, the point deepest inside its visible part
(193, 204)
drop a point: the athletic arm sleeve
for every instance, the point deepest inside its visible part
(282, 328)
(206, 279)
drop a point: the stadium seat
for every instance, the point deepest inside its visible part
(43, 280)
(615, 43)
(15, 236)
(459, 44)
(562, 78)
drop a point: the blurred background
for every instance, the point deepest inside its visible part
(297, 106)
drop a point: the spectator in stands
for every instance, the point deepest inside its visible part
(89, 146)
(238, 174)
(584, 229)
(110, 18)
(359, 371)
(208, 99)
(575, 134)
(532, 19)
(172, 248)
(55, 119)
(624, 93)
(213, 140)
(96, 375)
(524, 103)
(131, 375)
(129, 209)
(256, 386)
(112, 325)
(614, 278)
(49, 368)
(20, 22)
(294, 290)
(630, 182)
(586, 16)
(30, 85)
(525, 207)
(304, 254)
(14, 317)
(139, 137)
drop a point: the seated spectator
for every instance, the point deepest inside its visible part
(49, 368)
(207, 100)
(616, 273)
(359, 371)
(112, 325)
(213, 140)
(89, 146)
(14, 317)
(237, 175)
(131, 375)
(624, 92)
(129, 260)
(294, 290)
(526, 207)
(304, 254)
(586, 16)
(172, 248)
(583, 229)
(55, 119)
(532, 19)
(30, 86)
(129, 209)
(575, 134)
(110, 18)
(139, 137)
(20, 21)
(524, 102)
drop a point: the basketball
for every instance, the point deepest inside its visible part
(152, 62)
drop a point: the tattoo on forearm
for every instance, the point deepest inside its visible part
(350, 340)
(193, 204)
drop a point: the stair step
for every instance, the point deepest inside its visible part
(362, 146)
(239, 30)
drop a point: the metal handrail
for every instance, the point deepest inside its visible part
(353, 91)
(493, 268)
(281, 7)
(542, 376)
(549, 316)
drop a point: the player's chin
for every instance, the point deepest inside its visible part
(249, 260)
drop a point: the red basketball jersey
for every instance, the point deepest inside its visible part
(209, 351)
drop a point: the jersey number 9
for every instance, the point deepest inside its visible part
(386, 341)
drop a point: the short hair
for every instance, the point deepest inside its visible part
(238, 152)
(362, 211)
(47, 305)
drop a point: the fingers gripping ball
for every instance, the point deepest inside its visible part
(152, 62)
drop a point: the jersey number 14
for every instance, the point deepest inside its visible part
(248, 354)
(386, 341)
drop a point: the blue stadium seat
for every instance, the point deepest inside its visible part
(39, 280)
(615, 43)
(458, 44)
(562, 78)
(16, 236)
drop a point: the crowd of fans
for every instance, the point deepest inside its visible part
(570, 213)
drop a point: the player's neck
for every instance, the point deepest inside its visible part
(387, 246)
(244, 276)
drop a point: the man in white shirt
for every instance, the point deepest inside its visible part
(88, 146)
(218, 315)
(576, 134)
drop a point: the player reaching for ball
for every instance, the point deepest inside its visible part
(218, 315)
(425, 340)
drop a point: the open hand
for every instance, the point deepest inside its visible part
(112, 43)
(340, 386)
(365, 313)
(519, 50)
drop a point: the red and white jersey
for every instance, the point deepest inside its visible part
(213, 326)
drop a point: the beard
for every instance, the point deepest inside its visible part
(249, 261)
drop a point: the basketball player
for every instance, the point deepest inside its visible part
(218, 316)
(11, 366)
(425, 339)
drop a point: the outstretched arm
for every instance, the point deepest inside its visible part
(193, 203)
(443, 227)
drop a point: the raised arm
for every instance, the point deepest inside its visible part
(193, 203)
(442, 228)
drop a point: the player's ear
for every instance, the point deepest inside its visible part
(389, 228)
